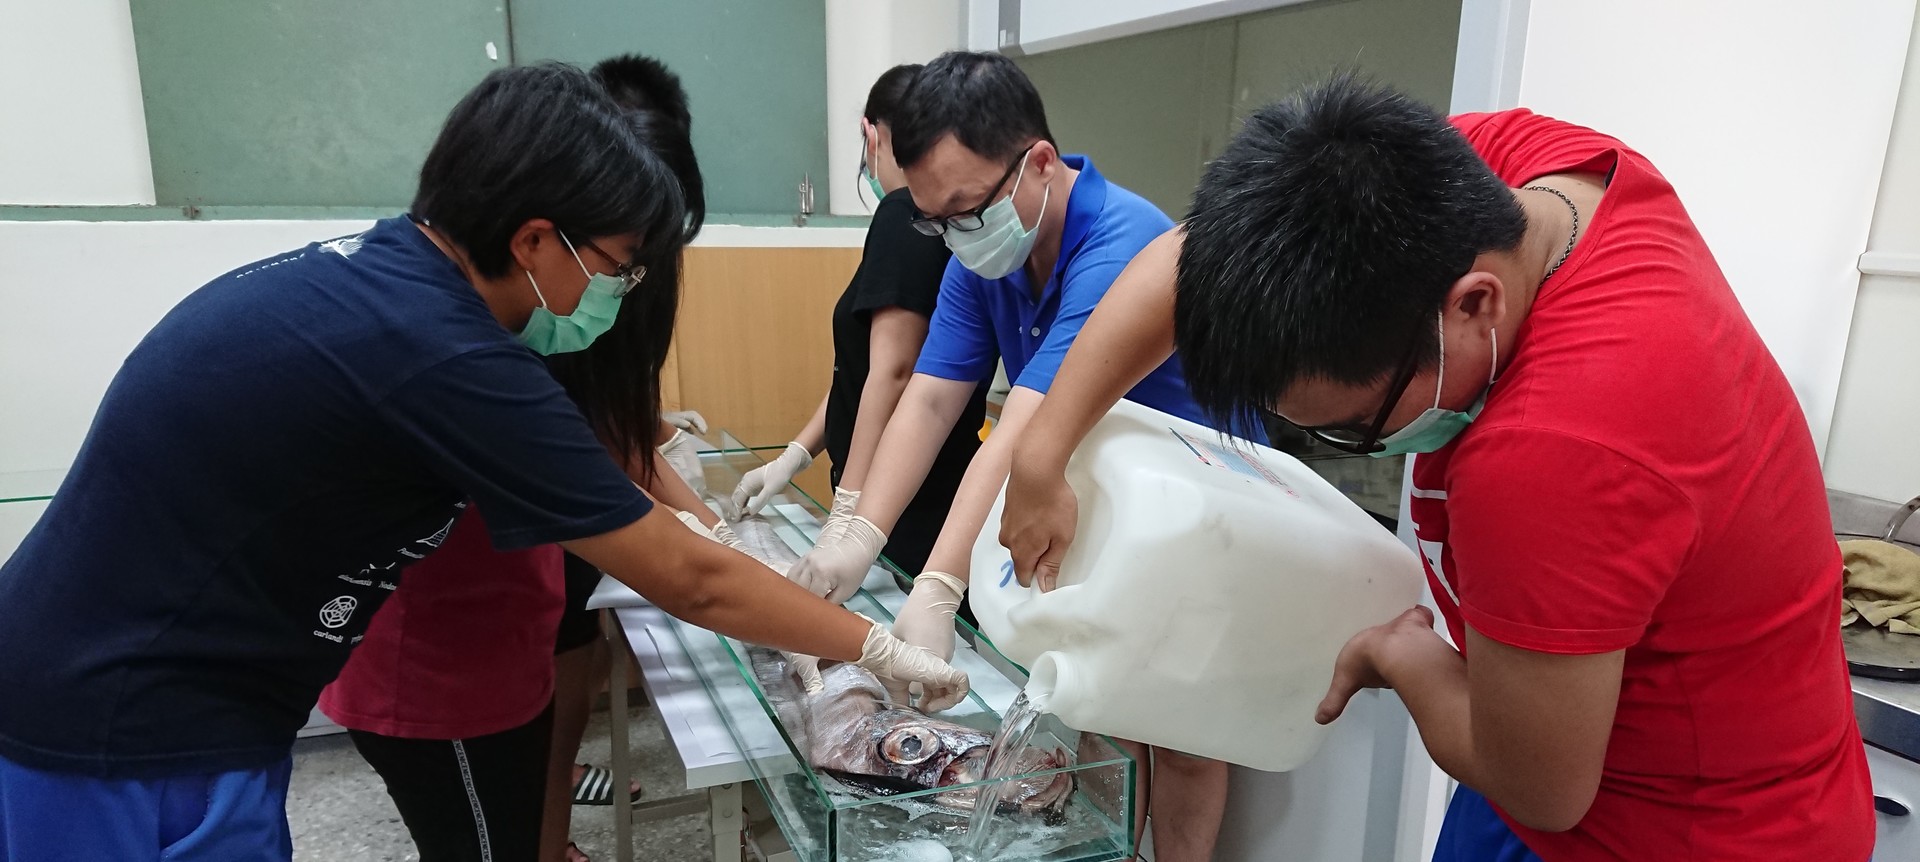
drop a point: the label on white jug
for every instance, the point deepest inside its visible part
(1215, 455)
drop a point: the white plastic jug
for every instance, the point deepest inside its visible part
(1208, 590)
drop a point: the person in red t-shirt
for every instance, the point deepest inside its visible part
(1616, 495)
(465, 763)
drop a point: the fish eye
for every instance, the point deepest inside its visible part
(909, 745)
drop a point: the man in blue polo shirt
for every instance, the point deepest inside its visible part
(1037, 238)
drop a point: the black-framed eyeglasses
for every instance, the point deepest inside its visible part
(1366, 441)
(971, 220)
(630, 273)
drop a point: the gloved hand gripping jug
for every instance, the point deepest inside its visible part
(1207, 593)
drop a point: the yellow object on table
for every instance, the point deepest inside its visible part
(1882, 585)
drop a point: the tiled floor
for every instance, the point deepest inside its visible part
(339, 810)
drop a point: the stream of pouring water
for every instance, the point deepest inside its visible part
(1016, 730)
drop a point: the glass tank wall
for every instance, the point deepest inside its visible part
(849, 776)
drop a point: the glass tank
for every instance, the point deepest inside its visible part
(849, 776)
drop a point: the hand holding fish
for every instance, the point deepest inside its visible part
(840, 559)
(898, 663)
(724, 534)
(763, 483)
(926, 621)
(685, 420)
(807, 668)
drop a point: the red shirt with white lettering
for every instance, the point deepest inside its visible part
(1642, 479)
(464, 647)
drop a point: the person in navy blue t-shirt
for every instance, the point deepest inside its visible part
(292, 435)
(1037, 238)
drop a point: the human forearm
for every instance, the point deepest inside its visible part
(913, 437)
(894, 338)
(813, 435)
(878, 400)
(1529, 730)
(666, 486)
(717, 588)
(953, 550)
(1431, 680)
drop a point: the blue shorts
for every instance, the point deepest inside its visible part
(220, 817)
(1473, 832)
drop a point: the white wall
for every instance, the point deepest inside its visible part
(1772, 122)
(1048, 25)
(80, 295)
(72, 129)
(1337, 807)
(1875, 445)
(865, 39)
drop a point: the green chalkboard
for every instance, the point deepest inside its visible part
(755, 73)
(289, 103)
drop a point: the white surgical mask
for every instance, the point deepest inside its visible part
(1002, 243)
(1437, 426)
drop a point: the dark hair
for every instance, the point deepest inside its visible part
(1321, 244)
(982, 99)
(883, 100)
(616, 380)
(544, 141)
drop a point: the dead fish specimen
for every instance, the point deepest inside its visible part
(851, 730)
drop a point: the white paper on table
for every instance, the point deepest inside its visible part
(713, 739)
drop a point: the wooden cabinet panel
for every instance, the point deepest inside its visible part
(753, 346)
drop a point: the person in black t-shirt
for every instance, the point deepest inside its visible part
(293, 434)
(879, 325)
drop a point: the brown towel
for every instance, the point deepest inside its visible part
(1882, 585)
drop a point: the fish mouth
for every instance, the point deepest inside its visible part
(1046, 795)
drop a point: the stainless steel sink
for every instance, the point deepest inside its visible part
(1857, 516)
(1888, 711)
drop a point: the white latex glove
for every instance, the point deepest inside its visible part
(808, 669)
(692, 523)
(843, 503)
(723, 533)
(897, 662)
(840, 560)
(762, 483)
(926, 620)
(682, 452)
(685, 420)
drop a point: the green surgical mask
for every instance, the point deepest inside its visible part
(873, 182)
(548, 333)
(1437, 426)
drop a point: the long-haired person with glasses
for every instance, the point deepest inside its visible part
(879, 325)
(297, 432)
(1037, 238)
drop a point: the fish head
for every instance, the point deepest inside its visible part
(880, 747)
(1046, 795)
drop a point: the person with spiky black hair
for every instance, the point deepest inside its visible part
(1614, 490)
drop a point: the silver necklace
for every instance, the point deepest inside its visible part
(1571, 235)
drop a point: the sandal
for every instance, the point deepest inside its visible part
(595, 786)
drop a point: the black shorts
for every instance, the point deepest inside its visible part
(467, 800)
(578, 626)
